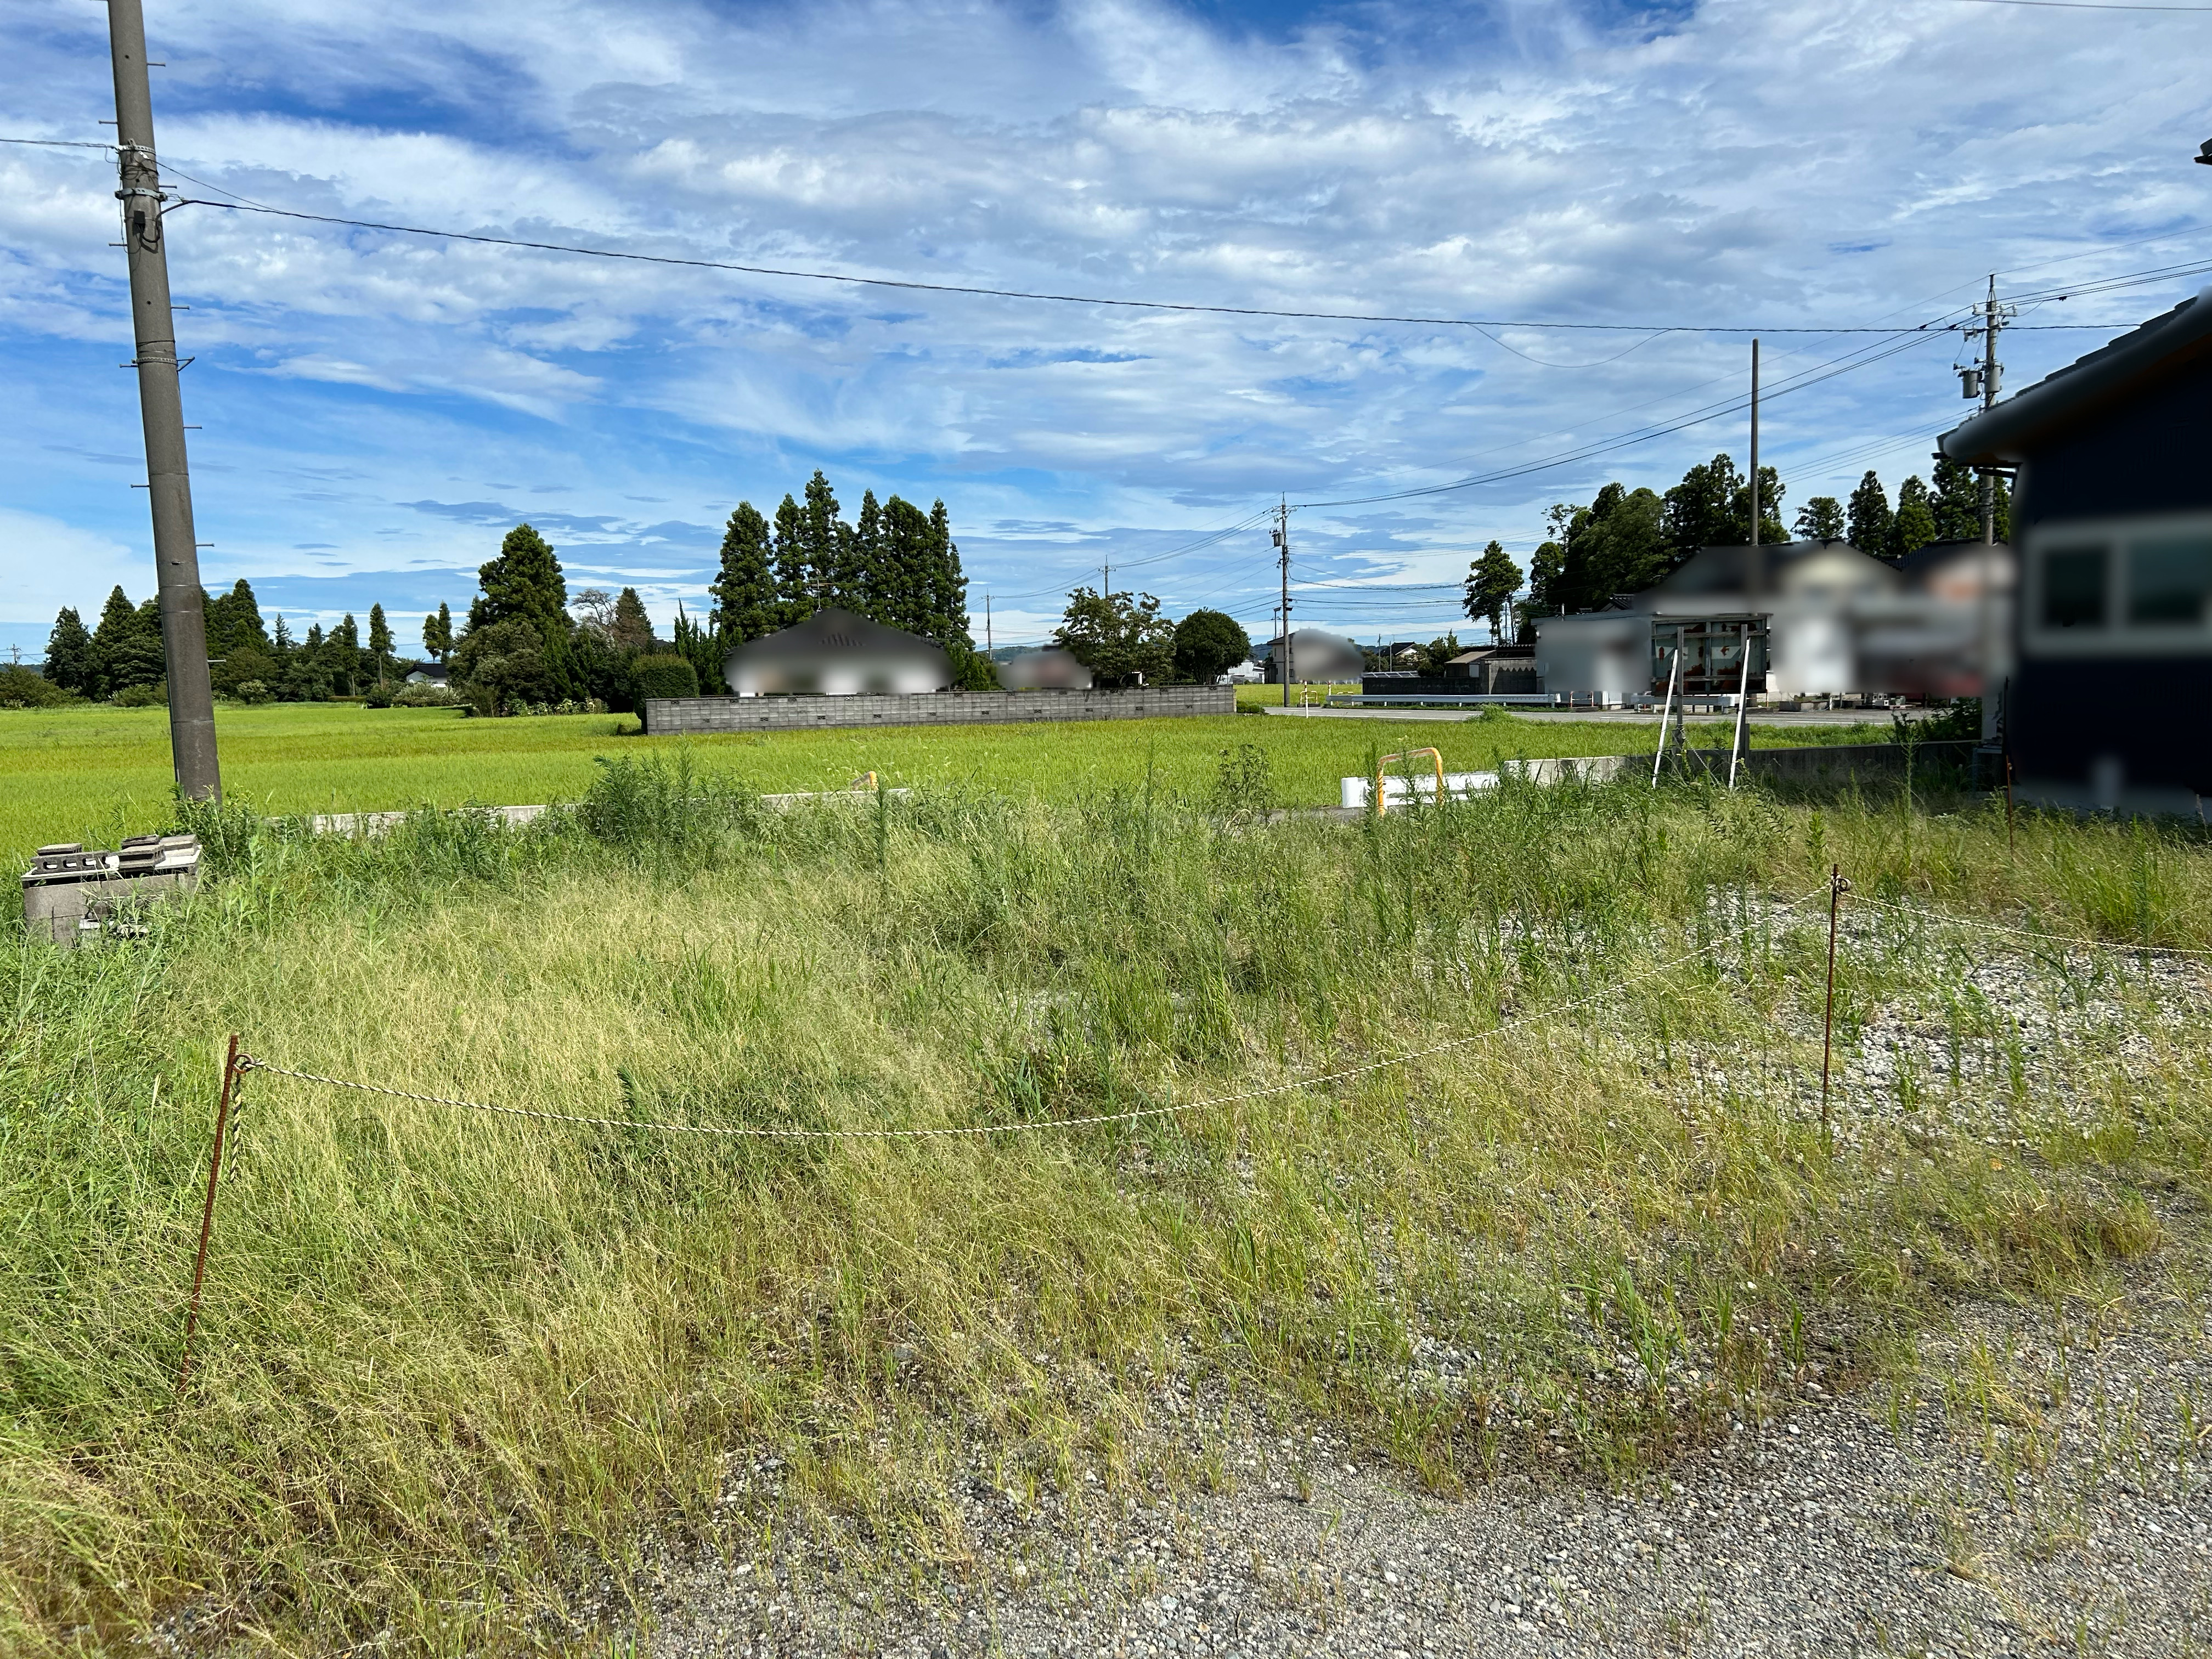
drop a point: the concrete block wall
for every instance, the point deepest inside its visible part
(665, 715)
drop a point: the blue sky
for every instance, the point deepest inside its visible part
(376, 409)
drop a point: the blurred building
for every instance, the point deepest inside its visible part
(1316, 658)
(1049, 669)
(2111, 507)
(1841, 622)
(836, 652)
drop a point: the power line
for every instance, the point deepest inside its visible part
(1482, 325)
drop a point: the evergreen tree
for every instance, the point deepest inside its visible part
(947, 617)
(794, 582)
(379, 643)
(1821, 520)
(279, 638)
(867, 561)
(1956, 502)
(1700, 511)
(823, 543)
(697, 644)
(126, 646)
(1914, 526)
(1771, 531)
(1492, 582)
(438, 633)
(906, 553)
(1617, 544)
(631, 630)
(524, 583)
(1872, 524)
(745, 598)
(342, 656)
(69, 660)
(233, 621)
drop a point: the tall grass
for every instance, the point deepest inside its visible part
(448, 1359)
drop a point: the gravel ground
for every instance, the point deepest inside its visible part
(2035, 1485)
(2037, 1481)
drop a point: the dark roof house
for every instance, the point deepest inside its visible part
(2112, 512)
(837, 653)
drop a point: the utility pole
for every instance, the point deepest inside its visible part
(1985, 381)
(990, 650)
(1755, 582)
(160, 407)
(1283, 542)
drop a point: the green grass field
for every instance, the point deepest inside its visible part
(94, 774)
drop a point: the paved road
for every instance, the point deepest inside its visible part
(1877, 718)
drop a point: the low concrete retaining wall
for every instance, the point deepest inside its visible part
(1811, 763)
(665, 715)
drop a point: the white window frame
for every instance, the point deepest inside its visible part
(2118, 637)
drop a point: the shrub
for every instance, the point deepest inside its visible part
(379, 697)
(666, 675)
(502, 666)
(426, 695)
(20, 688)
(254, 691)
(141, 696)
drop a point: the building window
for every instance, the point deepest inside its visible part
(2168, 580)
(2073, 587)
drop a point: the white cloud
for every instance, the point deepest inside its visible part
(52, 564)
(1515, 161)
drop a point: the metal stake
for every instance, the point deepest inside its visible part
(207, 1215)
(1742, 708)
(1837, 887)
(1666, 714)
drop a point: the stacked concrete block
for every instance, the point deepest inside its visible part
(664, 716)
(72, 894)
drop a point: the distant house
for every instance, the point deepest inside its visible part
(1316, 658)
(837, 653)
(426, 673)
(2113, 511)
(1048, 669)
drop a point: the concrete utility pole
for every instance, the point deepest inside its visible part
(1283, 542)
(160, 407)
(990, 647)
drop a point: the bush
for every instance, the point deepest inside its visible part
(254, 691)
(20, 688)
(666, 675)
(424, 694)
(502, 665)
(379, 697)
(141, 696)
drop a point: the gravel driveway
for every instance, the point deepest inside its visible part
(2035, 1486)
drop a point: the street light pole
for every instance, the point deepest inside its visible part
(161, 410)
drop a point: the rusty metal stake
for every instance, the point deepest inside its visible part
(1837, 887)
(2010, 850)
(207, 1215)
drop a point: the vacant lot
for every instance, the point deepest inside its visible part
(1486, 1140)
(95, 774)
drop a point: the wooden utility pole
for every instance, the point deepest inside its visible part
(160, 407)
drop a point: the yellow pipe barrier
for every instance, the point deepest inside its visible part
(1436, 755)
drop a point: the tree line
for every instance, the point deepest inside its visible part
(121, 657)
(1625, 540)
